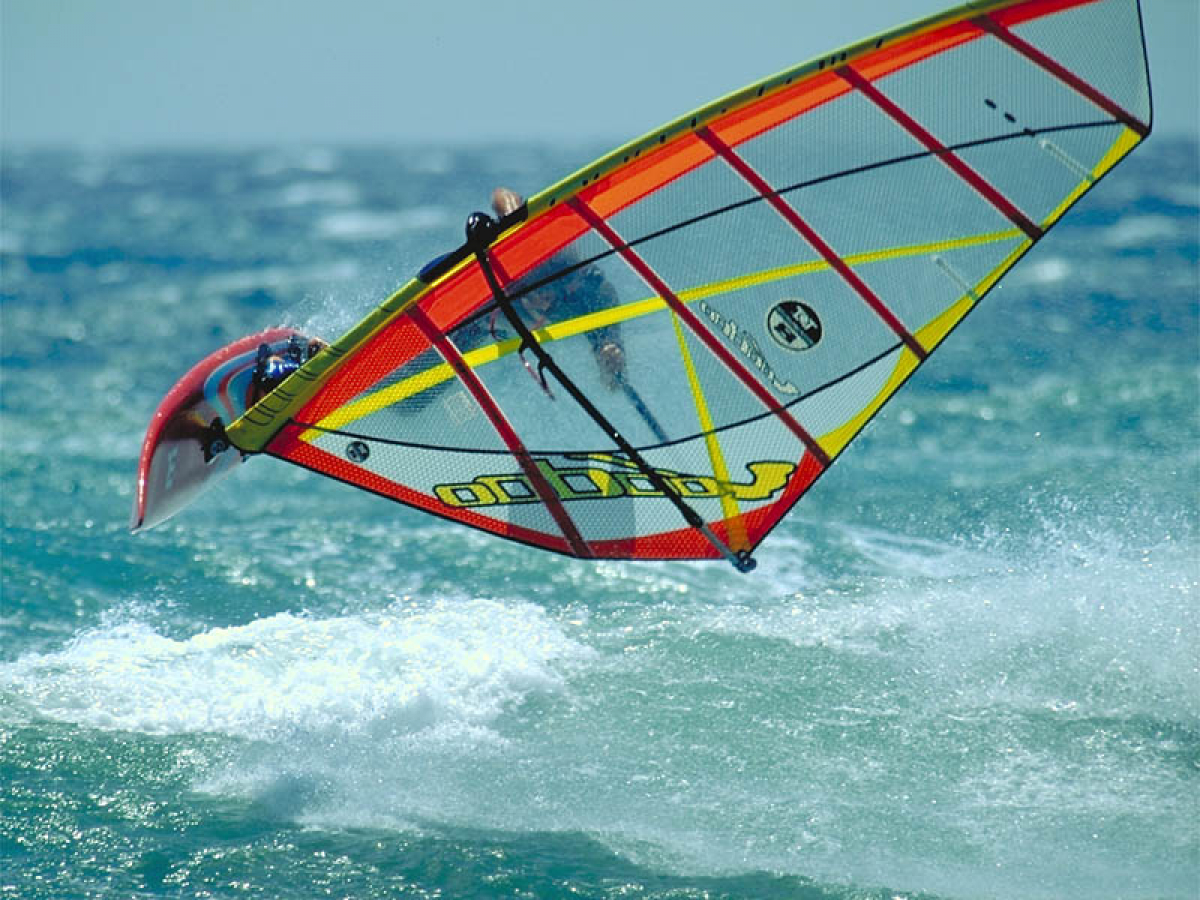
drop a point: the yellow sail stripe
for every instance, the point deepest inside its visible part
(929, 335)
(402, 390)
(406, 388)
(754, 279)
(1126, 141)
(729, 505)
(935, 331)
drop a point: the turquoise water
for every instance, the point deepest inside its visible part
(966, 666)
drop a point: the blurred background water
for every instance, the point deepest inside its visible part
(966, 666)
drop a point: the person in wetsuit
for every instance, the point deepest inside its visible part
(578, 293)
(272, 368)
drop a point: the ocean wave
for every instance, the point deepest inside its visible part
(449, 666)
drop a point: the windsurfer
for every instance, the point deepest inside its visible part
(583, 291)
(272, 368)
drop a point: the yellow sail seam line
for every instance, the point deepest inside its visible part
(1125, 142)
(935, 331)
(929, 336)
(402, 390)
(729, 505)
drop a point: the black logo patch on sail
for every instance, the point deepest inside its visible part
(794, 325)
(358, 451)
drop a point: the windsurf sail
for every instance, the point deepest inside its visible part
(770, 269)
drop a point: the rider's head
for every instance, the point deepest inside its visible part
(505, 200)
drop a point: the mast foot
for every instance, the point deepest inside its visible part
(744, 562)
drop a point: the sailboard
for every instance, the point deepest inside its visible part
(771, 269)
(185, 450)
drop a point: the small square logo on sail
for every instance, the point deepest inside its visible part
(794, 325)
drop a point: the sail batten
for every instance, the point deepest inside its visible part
(994, 28)
(511, 440)
(942, 152)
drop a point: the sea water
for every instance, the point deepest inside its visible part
(966, 666)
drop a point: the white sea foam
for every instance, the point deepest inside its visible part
(331, 192)
(455, 664)
(320, 160)
(278, 278)
(367, 225)
(430, 161)
(1140, 231)
(903, 556)
(1095, 605)
(1045, 271)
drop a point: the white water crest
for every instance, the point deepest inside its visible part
(452, 664)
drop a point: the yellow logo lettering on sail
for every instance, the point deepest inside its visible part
(606, 477)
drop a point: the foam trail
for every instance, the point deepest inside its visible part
(454, 664)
